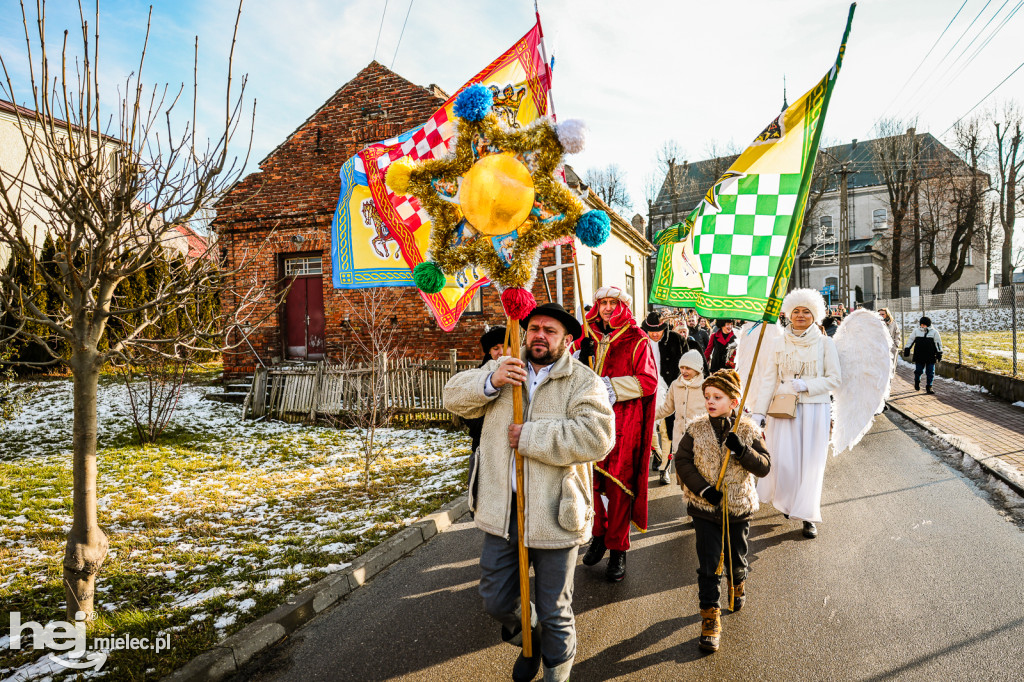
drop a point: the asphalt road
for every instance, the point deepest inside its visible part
(916, 575)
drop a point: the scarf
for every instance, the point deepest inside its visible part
(798, 353)
(692, 383)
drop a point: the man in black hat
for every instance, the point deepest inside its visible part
(569, 424)
(668, 347)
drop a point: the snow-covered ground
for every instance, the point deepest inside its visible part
(213, 526)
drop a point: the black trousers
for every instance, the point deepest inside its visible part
(709, 549)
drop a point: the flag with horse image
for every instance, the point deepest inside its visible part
(378, 237)
(733, 255)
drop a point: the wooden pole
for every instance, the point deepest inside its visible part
(524, 557)
(579, 290)
(743, 400)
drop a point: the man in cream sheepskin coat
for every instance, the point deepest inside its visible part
(569, 424)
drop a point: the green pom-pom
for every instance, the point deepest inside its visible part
(428, 277)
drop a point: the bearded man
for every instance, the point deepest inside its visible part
(621, 355)
(568, 425)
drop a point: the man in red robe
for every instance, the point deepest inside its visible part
(620, 353)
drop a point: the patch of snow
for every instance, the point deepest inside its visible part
(191, 600)
(267, 586)
(224, 621)
(1019, 403)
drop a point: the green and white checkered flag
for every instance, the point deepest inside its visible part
(733, 255)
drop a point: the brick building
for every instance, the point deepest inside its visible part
(279, 219)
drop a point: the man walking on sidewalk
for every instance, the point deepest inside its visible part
(569, 424)
(927, 351)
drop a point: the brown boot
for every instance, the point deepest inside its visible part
(736, 595)
(710, 628)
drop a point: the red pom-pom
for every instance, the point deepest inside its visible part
(518, 302)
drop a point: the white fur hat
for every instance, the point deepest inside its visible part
(693, 360)
(807, 298)
(614, 292)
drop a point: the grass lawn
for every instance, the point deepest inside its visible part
(990, 351)
(209, 529)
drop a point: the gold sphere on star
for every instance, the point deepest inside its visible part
(497, 194)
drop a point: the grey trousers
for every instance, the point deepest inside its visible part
(554, 570)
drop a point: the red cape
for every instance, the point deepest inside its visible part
(628, 464)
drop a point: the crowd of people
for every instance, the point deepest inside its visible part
(609, 402)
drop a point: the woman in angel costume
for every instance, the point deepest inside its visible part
(852, 370)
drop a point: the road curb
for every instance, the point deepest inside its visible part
(230, 655)
(1011, 477)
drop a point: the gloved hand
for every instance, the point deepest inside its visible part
(588, 348)
(758, 420)
(906, 352)
(799, 385)
(732, 441)
(938, 357)
(711, 495)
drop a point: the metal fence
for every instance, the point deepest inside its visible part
(979, 327)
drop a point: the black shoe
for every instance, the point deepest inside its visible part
(929, 391)
(616, 566)
(810, 530)
(595, 552)
(525, 669)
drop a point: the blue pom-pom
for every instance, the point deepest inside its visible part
(593, 228)
(474, 103)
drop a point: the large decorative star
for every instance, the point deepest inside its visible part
(495, 199)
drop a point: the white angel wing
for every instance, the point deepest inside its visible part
(662, 393)
(747, 336)
(863, 343)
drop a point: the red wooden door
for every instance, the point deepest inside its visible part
(304, 310)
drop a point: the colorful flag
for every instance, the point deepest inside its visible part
(519, 80)
(733, 255)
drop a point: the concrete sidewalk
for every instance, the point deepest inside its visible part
(988, 429)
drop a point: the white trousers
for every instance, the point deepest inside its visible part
(799, 450)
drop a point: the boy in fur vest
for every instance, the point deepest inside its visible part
(698, 462)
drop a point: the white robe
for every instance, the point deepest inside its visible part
(799, 450)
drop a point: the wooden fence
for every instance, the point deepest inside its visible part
(404, 389)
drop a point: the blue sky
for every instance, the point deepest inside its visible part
(638, 72)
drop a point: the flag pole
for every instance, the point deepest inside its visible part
(544, 56)
(512, 335)
(743, 400)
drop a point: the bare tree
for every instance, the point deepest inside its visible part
(896, 154)
(609, 183)
(371, 355)
(953, 223)
(1009, 181)
(110, 197)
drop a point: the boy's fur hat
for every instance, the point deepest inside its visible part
(725, 380)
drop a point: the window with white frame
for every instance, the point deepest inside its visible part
(304, 265)
(825, 221)
(879, 219)
(476, 302)
(630, 281)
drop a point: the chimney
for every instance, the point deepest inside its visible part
(911, 131)
(854, 145)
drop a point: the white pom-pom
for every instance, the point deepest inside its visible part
(572, 133)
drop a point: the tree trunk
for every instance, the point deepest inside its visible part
(897, 250)
(87, 544)
(1006, 257)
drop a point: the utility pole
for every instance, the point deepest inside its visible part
(844, 236)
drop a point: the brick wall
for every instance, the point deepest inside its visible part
(286, 209)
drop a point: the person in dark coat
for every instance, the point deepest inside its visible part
(830, 325)
(668, 347)
(699, 335)
(491, 341)
(927, 351)
(717, 350)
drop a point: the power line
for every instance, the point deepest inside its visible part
(382, 15)
(941, 91)
(950, 50)
(925, 58)
(409, 11)
(1019, 66)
